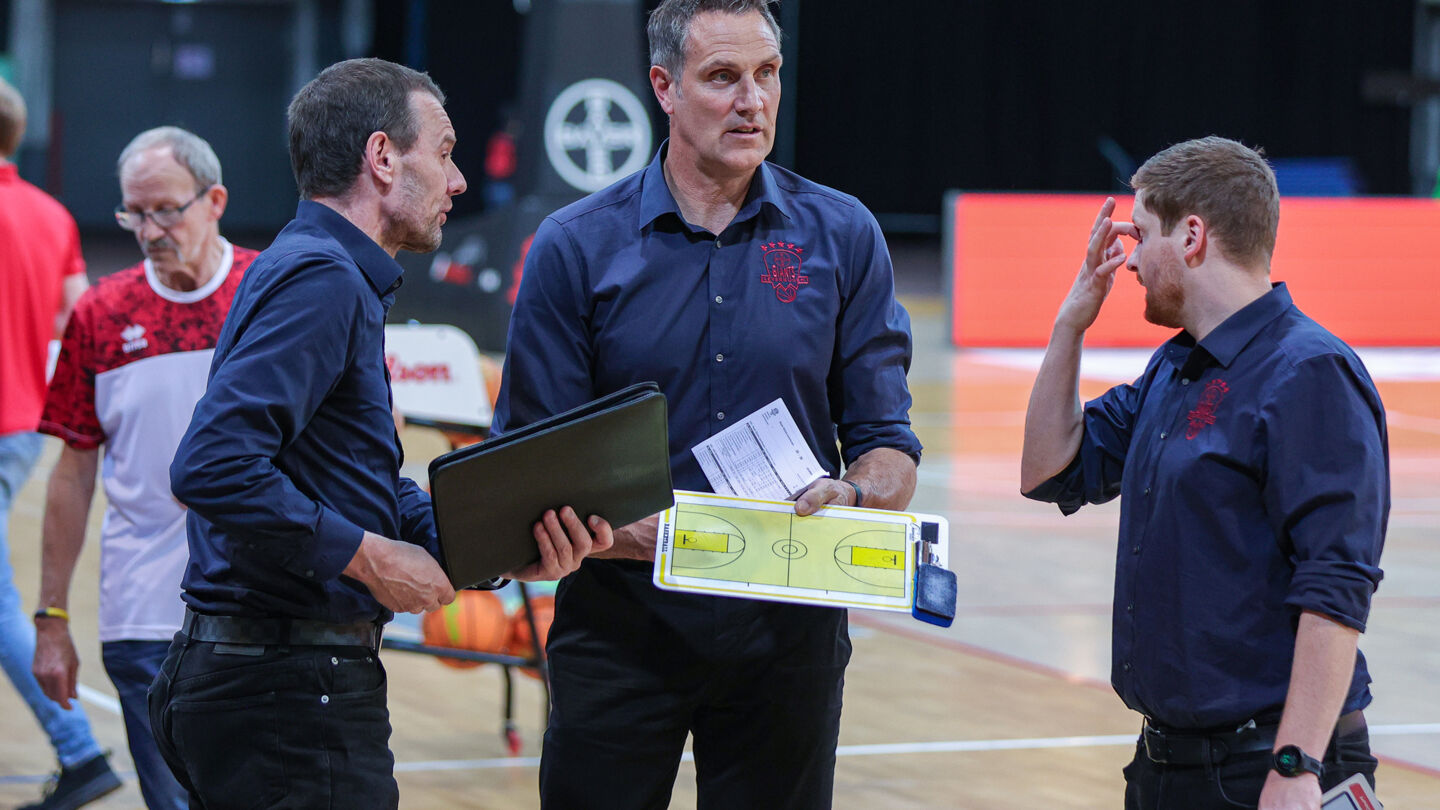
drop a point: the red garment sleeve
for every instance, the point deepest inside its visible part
(70, 403)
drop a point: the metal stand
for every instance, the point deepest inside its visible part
(534, 660)
(509, 732)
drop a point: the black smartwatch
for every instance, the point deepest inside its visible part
(1290, 760)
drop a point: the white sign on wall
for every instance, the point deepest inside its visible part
(596, 132)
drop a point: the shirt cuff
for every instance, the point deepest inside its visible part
(335, 543)
(79, 441)
(1339, 590)
(897, 437)
(1061, 489)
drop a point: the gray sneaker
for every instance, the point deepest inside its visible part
(78, 786)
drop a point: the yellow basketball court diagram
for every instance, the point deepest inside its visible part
(763, 549)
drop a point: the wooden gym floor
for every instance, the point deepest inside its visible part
(1010, 707)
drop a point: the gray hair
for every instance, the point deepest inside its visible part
(669, 26)
(190, 150)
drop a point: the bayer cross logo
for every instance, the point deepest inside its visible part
(596, 132)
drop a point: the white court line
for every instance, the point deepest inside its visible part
(467, 764)
(886, 749)
(98, 699)
(1385, 363)
(1410, 422)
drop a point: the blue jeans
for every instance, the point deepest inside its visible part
(132, 666)
(69, 731)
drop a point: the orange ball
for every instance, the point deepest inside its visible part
(519, 643)
(474, 621)
(491, 371)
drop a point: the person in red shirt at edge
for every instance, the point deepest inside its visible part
(42, 274)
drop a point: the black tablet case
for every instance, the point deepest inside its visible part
(609, 457)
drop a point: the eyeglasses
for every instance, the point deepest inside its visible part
(166, 218)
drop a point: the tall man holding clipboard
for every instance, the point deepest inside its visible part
(730, 282)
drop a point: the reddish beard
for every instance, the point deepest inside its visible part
(1165, 296)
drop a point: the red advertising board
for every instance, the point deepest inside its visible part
(1366, 268)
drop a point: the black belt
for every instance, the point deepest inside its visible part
(299, 632)
(1171, 747)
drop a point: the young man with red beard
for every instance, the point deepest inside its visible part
(1252, 457)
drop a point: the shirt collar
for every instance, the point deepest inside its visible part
(1234, 333)
(379, 267)
(1225, 342)
(657, 201)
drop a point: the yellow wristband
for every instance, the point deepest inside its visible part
(53, 613)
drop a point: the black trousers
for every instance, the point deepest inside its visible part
(634, 670)
(252, 726)
(1237, 781)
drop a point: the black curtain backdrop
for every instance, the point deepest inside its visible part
(472, 50)
(899, 101)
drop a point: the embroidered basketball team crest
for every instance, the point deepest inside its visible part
(1204, 413)
(782, 269)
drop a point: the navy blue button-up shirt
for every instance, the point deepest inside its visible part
(1255, 472)
(794, 299)
(292, 453)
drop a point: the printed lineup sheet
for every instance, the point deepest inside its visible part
(763, 455)
(757, 549)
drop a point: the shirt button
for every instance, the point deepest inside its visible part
(334, 662)
(1135, 549)
(1147, 490)
(1164, 433)
(719, 299)
(720, 415)
(1185, 381)
(324, 698)
(310, 574)
(717, 243)
(1130, 608)
(1125, 666)
(719, 358)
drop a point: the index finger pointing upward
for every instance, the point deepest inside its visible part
(1106, 209)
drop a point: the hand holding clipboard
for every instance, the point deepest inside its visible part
(609, 457)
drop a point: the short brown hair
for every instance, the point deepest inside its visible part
(332, 117)
(12, 119)
(1225, 183)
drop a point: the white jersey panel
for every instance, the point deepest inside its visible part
(144, 407)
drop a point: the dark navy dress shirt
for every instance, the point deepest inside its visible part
(1255, 472)
(794, 299)
(292, 453)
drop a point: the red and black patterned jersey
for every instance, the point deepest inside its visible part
(128, 317)
(134, 361)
